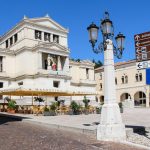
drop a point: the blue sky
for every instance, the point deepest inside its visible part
(129, 16)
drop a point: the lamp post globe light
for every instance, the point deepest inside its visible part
(111, 127)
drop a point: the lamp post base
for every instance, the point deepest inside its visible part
(111, 127)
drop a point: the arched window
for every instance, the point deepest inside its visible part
(140, 77)
(126, 79)
(122, 79)
(101, 86)
(136, 78)
(116, 81)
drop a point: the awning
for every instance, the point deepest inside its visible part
(19, 91)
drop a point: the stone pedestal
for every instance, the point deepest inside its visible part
(111, 127)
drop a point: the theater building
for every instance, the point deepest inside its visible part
(130, 84)
(34, 54)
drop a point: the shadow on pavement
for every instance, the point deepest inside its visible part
(5, 118)
(94, 123)
(141, 130)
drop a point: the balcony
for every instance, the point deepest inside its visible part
(51, 72)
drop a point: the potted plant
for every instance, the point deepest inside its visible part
(38, 99)
(59, 103)
(53, 108)
(46, 111)
(86, 104)
(75, 108)
(4, 109)
(11, 106)
(121, 107)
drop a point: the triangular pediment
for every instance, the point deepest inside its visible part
(48, 22)
(54, 46)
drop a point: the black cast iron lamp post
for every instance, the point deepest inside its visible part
(111, 127)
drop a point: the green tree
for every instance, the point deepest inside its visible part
(38, 99)
(12, 104)
(97, 63)
(86, 102)
(75, 107)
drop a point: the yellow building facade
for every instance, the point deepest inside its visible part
(130, 84)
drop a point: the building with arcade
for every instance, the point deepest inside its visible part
(130, 84)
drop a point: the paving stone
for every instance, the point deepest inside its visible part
(18, 135)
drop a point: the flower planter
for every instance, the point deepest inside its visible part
(12, 111)
(86, 112)
(52, 113)
(121, 110)
(46, 113)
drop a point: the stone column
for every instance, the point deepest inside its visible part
(39, 60)
(8, 42)
(42, 36)
(111, 127)
(51, 37)
(66, 64)
(49, 67)
(4, 63)
(59, 67)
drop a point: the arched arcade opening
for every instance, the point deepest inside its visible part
(140, 99)
(125, 96)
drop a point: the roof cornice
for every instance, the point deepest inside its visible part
(30, 22)
(33, 20)
(19, 25)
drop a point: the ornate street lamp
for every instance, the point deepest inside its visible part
(111, 126)
(107, 30)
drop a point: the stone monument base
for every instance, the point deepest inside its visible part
(111, 127)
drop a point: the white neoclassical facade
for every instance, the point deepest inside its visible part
(35, 55)
(130, 83)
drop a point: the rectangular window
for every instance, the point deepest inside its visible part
(1, 84)
(38, 34)
(56, 38)
(7, 44)
(116, 81)
(15, 38)
(1, 64)
(11, 41)
(56, 98)
(20, 83)
(46, 36)
(56, 84)
(101, 86)
(87, 73)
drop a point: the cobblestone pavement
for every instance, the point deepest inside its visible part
(17, 135)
